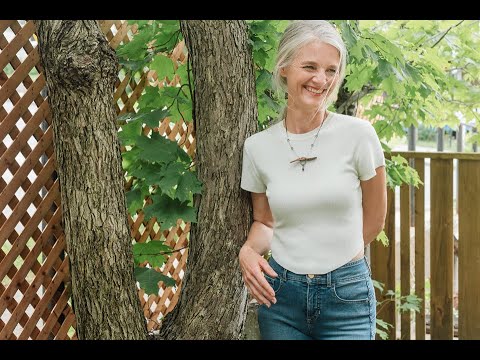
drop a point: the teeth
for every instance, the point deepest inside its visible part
(314, 90)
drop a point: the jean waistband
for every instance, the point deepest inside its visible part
(348, 272)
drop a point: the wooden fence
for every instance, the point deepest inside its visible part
(35, 288)
(438, 298)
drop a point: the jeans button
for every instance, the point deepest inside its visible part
(311, 276)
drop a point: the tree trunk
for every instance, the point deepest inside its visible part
(213, 302)
(80, 70)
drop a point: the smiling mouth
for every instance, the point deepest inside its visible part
(315, 91)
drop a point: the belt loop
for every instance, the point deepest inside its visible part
(329, 279)
(285, 274)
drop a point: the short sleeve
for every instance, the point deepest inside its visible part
(369, 154)
(251, 180)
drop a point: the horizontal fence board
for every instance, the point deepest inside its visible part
(437, 155)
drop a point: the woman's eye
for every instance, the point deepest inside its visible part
(309, 67)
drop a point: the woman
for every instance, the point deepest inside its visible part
(317, 182)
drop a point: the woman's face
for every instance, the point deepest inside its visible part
(312, 72)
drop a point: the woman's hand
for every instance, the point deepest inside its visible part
(253, 266)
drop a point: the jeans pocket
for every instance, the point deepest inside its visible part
(354, 291)
(275, 283)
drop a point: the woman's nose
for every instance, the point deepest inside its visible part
(320, 77)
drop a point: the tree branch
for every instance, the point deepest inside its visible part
(446, 32)
(367, 89)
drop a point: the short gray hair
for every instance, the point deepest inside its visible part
(298, 34)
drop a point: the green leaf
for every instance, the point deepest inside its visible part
(151, 98)
(149, 279)
(157, 148)
(182, 73)
(188, 184)
(348, 34)
(383, 335)
(129, 133)
(183, 156)
(154, 252)
(136, 49)
(384, 68)
(168, 211)
(399, 159)
(171, 175)
(263, 80)
(135, 200)
(260, 57)
(129, 158)
(384, 324)
(382, 237)
(390, 293)
(183, 107)
(146, 170)
(153, 118)
(378, 285)
(178, 102)
(380, 326)
(163, 66)
(168, 35)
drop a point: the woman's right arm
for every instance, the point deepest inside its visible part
(251, 258)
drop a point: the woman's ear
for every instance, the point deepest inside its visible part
(283, 72)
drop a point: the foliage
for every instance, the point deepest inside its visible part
(403, 303)
(400, 172)
(161, 172)
(264, 38)
(401, 72)
(382, 237)
(426, 133)
(414, 66)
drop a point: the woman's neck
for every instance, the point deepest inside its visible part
(300, 122)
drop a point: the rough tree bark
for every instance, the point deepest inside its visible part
(80, 70)
(213, 301)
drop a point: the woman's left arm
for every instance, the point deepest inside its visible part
(374, 203)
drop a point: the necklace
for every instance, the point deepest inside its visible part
(304, 159)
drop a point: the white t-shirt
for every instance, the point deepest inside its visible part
(317, 213)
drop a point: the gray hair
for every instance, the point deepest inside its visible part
(298, 34)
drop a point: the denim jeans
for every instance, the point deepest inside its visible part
(337, 305)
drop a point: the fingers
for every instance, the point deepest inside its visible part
(264, 290)
(267, 269)
(259, 288)
(253, 265)
(259, 297)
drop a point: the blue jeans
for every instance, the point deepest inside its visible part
(337, 305)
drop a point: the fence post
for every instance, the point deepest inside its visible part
(475, 144)
(440, 146)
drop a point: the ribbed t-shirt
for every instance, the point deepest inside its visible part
(318, 217)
